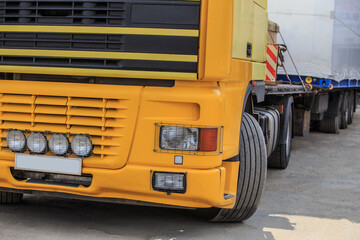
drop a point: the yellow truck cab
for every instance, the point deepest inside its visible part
(135, 101)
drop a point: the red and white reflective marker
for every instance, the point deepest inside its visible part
(271, 62)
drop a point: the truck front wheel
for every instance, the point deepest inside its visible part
(251, 178)
(351, 107)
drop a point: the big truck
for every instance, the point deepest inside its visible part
(168, 103)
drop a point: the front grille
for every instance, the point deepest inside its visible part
(103, 43)
(100, 13)
(62, 41)
(105, 120)
(100, 42)
(148, 39)
(63, 12)
(101, 63)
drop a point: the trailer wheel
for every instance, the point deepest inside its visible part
(251, 179)
(356, 101)
(330, 124)
(9, 197)
(344, 111)
(351, 107)
(281, 156)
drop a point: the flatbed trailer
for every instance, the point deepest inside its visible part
(325, 105)
(161, 103)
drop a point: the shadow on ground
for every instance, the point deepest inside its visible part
(79, 218)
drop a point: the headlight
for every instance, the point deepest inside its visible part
(59, 144)
(179, 138)
(16, 141)
(37, 143)
(81, 145)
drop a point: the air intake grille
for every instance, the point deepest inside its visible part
(63, 12)
(100, 42)
(101, 13)
(148, 39)
(62, 41)
(105, 120)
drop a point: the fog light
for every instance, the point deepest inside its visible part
(37, 143)
(82, 145)
(16, 141)
(169, 182)
(59, 144)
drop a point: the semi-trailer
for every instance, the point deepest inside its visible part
(324, 46)
(162, 103)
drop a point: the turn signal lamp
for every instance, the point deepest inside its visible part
(208, 139)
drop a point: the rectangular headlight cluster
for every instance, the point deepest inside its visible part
(169, 182)
(179, 138)
(189, 139)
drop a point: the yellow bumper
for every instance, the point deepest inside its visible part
(205, 188)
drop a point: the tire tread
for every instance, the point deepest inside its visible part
(279, 159)
(9, 197)
(330, 124)
(252, 173)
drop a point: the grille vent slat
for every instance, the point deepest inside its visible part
(16, 108)
(61, 101)
(67, 12)
(41, 109)
(99, 42)
(102, 119)
(111, 13)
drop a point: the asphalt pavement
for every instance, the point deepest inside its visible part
(317, 197)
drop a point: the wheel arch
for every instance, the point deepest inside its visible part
(255, 93)
(249, 100)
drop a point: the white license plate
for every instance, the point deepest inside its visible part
(48, 164)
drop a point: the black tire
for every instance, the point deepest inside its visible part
(330, 124)
(9, 197)
(351, 107)
(344, 111)
(252, 176)
(280, 158)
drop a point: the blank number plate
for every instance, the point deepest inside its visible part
(48, 164)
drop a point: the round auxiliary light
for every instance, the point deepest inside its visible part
(37, 143)
(81, 145)
(59, 144)
(16, 141)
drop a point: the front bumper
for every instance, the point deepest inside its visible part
(205, 188)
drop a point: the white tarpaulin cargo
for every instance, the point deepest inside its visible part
(322, 35)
